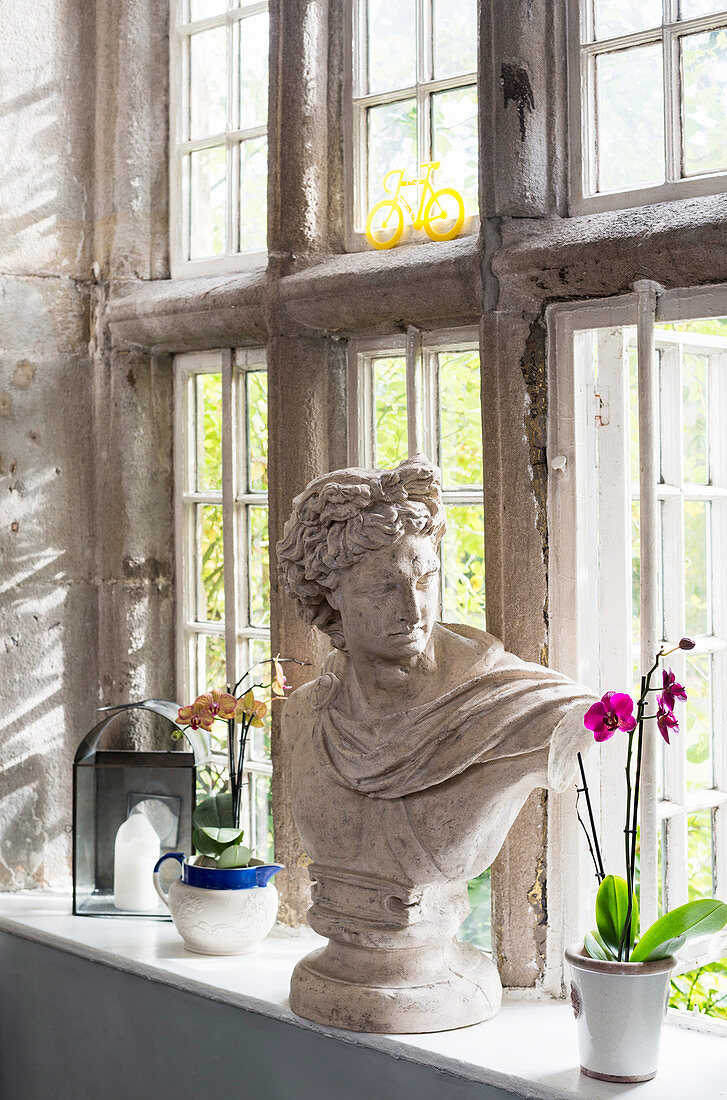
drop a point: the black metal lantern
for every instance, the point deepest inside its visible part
(109, 786)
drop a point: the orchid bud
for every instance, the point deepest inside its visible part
(686, 643)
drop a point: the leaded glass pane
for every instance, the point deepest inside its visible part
(454, 142)
(253, 194)
(254, 34)
(392, 144)
(257, 430)
(696, 567)
(455, 37)
(694, 412)
(208, 393)
(704, 107)
(698, 721)
(464, 565)
(258, 566)
(613, 18)
(208, 83)
(390, 423)
(700, 855)
(207, 188)
(630, 126)
(210, 572)
(391, 38)
(460, 419)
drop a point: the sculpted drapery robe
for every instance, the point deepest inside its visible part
(508, 727)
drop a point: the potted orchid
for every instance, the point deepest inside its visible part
(620, 979)
(224, 903)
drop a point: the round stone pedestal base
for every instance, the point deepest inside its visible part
(464, 989)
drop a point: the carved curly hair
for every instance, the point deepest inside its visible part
(344, 514)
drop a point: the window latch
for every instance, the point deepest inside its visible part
(601, 408)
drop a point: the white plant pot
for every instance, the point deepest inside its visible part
(221, 911)
(620, 1008)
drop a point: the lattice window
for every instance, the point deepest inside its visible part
(222, 546)
(219, 157)
(425, 396)
(649, 96)
(414, 97)
(596, 528)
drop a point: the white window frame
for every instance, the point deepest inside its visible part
(356, 101)
(574, 645)
(233, 365)
(581, 77)
(180, 146)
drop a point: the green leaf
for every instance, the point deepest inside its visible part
(597, 948)
(697, 918)
(237, 855)
(611, 908)
(214, 812)
(222, 836)
(205, 845)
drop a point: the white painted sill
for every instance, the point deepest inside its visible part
(528, 1049)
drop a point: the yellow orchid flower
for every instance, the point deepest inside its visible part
(252, 708)
(220, 704)
(196, 715)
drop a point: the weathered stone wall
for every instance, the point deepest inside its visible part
(86, 563)
(48, 622)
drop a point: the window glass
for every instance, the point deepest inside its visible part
(613, 18)
(390, 424)
(454, 140)
(253, 34)
(630, 104)
(211, 584)
(392, 37)
(207, 202)
(208, 83)
(704, 107)
(455, 37)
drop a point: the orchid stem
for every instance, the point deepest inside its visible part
(595, 855)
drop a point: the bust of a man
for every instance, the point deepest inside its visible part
(411, 756)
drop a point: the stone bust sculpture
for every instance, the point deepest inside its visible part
(411, 756)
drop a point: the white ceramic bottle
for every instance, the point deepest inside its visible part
(136, 850)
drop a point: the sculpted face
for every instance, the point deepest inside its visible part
(388, 600)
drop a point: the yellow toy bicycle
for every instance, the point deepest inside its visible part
(440, 213)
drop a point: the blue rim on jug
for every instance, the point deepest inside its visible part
(221, 878)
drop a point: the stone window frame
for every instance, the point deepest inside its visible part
(235, 629)
(582, 52)
(574, 645)
(357, 100)
(180, 145)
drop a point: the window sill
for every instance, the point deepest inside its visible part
(679, 243)
(528, 1049)
(431, 285)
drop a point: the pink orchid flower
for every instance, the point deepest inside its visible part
(614, 711)
(671, 690)
(279, 683)
(665, 719)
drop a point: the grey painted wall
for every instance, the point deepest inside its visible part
(71, 1029)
